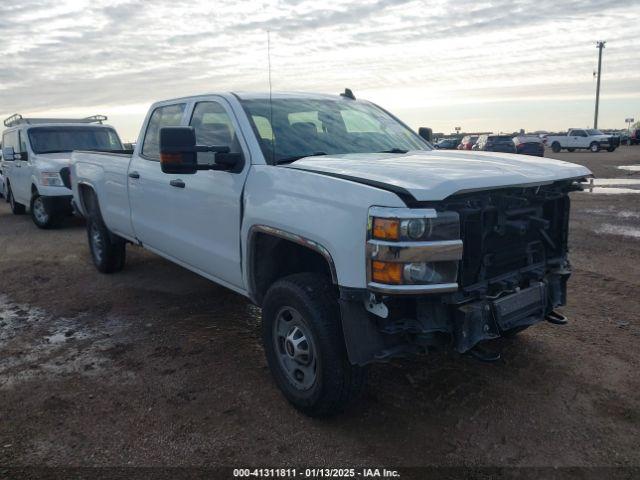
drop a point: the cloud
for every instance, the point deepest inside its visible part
(60, 54)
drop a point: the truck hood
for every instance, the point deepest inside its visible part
(52, 162)
(435, 175)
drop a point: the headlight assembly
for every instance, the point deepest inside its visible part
(51, 179)
(413, 250)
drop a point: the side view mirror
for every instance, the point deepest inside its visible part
(426, 133)
(178, 150)
(179, 153)
(8, 154)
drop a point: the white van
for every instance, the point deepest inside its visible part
(36, 154)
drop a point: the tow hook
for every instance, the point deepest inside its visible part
(376, 307)
(556, 318)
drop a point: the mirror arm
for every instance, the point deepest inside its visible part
(211, 148)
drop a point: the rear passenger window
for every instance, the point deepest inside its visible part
(167, 116)
(360, 122)
(263, 126)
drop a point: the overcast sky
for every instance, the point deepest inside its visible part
(478, 65)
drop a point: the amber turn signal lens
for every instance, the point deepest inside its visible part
(385, 272)
(171, 157)
(386, 228)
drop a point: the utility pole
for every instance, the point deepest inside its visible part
(599, 46)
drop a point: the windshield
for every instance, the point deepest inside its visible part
(66, 139)
(594, 132)
(293, 128)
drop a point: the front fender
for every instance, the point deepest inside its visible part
(327, 212)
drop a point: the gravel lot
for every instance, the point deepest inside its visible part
(156, 366)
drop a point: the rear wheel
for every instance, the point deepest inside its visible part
(611, 149)
(571, 149)
(555, 146)
(108, 251)
(305, 346)
(16, 208)
(594, 147)
(42, 214)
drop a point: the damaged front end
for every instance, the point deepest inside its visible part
(478, 266)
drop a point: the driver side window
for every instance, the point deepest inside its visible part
(213, 126)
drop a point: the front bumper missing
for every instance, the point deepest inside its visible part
(425, 322)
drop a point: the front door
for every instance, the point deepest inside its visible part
(577, 139)
(194, 219)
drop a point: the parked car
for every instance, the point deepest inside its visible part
(577, 138)
(634, 137)
(35, 150)
(495, 143)
(447, 144)
(468, 142)
(342, 224)
(529, 145)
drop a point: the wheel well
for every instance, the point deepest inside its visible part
(88, 198)
(272, 258)
(34, 189)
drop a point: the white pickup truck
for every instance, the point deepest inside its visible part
(359, 241)
(36, 153)
(585, 138)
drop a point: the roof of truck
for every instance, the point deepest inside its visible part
(263, 95)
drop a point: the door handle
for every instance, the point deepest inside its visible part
(134, 175)
(177, 183)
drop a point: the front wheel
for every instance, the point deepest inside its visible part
(42, 214)
(305, 347)
(16, 208)
(594, 147)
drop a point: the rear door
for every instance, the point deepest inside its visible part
(195, 219)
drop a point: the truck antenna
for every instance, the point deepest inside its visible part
(273, 136)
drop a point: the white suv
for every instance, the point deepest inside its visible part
(36, 153)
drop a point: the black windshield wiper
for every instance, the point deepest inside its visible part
(394, 150)
(54, 151)
(292, 159)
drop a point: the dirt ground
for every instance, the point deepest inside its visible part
(156, 366)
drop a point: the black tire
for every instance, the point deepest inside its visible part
(571, 149)
(16, 208)
(594, 147)
(611, 149)
(336, 383)
(108, 251)
(41, 214)
(555, 146)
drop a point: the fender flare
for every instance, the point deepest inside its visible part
(292, 237)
